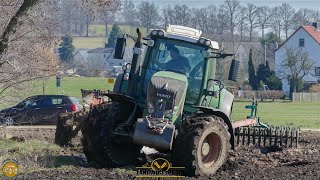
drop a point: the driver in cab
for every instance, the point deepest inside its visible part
(178, 63)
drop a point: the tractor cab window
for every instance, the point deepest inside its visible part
(180, 57)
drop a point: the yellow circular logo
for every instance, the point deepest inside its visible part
(160, 164)
(10, 168)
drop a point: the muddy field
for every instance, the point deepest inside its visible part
(244, 163)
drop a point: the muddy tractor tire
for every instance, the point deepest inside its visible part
(202, 146)
(118, 153)
(65, 130)
(91, 133)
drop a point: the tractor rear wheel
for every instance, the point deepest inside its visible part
(203, 147)
(116, 152)
(91, 133)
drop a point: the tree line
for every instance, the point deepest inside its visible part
(230, 21)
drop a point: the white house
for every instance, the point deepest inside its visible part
(308, 38)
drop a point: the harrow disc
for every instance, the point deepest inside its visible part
(273, 136)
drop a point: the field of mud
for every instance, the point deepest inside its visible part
(244, 163)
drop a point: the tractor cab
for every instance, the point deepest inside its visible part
(178, 53)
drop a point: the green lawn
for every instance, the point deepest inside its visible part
(72, 85)
(97, 31)
(304, 115)
(89, 42)
(69, 86)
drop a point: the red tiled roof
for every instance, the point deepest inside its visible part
(313, 33)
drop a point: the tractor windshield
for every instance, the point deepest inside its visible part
(181, 57)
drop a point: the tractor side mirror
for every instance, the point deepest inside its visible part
(234, 70)
(120, 48)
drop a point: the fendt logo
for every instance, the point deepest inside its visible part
(163, 95)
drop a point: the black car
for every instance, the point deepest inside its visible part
(39, 110)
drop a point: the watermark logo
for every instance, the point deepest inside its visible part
(160, 168)
(10, 168)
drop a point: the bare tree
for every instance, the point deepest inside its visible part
(303, 16)
(182, 14)
(252, 18)
(242, 23)
(264, 17)
(276, 21)
(148, 14)
(166, 12)
(296, 65)
(27, 41)
(129, 12)
(231, 8)
(287, 13)
(222, 22)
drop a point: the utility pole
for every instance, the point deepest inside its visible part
(265, 52)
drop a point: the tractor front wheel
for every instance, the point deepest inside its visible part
(204, 148)
(91, 133)
(116, 152)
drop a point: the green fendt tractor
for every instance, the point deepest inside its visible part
(169, 101)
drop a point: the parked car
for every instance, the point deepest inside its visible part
(39, 110)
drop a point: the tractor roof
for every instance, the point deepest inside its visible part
(187, 34)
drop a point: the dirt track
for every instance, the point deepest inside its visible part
(244, 163)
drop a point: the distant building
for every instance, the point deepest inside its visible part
(101, 61)
(242, 54)
(308, 38)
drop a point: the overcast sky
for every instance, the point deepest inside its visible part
(312, 4)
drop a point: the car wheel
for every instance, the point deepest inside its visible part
(8, 121)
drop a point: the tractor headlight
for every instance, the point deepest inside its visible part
(207, 43)
(207, 54)
(160, 33)
(154, 32)
(150, 43)
(126, 77)
(201, 41)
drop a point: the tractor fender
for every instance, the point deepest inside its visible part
(129, 103)
(219, 113)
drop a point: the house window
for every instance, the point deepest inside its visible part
(301, 42)
(317, 71)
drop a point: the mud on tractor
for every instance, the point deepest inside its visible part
(168, 99)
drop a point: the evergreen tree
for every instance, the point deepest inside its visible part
(268, 77)
(66, 49)
(115, 32)
(273, 82)
(263, 72)
(252, 73)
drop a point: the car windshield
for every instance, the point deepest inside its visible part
(181, 57)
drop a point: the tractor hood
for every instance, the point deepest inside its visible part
(166, 95)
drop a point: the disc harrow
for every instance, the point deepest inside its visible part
(272, 136)
(252, 131)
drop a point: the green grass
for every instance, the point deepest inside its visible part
(88, 42)
(15, 148)
(98, 36)
(34, 155)
(69, 86)
(72, 85)
(304, 115)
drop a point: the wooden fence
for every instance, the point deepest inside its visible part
(306, 97)
(270, 94)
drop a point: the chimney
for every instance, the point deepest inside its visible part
(315, 25)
